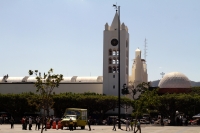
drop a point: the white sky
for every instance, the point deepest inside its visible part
(67, 35)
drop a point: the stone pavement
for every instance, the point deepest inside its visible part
(106, 129)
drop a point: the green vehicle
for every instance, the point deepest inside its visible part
(77, 115)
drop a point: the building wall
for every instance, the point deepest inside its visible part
(17, 88)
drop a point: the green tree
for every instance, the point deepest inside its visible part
(186, 104)
(96, 103)
(140, 88)
(146, 101)
(45, 86)
(16, 104)
(195, 90)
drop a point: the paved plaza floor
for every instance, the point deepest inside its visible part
(106, 129)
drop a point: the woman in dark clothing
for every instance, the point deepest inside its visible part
(12, 122)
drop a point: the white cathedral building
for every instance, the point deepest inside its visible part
(106, 84)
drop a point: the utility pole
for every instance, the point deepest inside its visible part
(145, 50)
(119, 92)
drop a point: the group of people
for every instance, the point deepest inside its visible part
(27, 122)
(128, 124)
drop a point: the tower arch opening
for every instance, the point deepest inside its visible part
(117, 60)
(117, 69)
(110, 52)
(110, 70)
(114, 61)
(117, 52)
(114, 52)
(114, 69)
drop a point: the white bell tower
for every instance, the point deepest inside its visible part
(111, 57)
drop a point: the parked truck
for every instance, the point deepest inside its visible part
(77, 115)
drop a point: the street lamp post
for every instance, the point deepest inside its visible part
(119, 92)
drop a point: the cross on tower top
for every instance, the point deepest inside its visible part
(162, 73)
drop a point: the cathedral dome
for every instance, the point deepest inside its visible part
(174, 82)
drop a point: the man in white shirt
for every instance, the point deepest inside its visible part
(30, 123)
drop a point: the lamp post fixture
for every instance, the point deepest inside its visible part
(119, 93)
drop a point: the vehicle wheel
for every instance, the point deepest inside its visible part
(82, 127)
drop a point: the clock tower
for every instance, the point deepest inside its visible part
(112, 57)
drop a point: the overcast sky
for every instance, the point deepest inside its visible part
(67, 35)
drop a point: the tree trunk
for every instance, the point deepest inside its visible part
(135, 124)
(43, 116)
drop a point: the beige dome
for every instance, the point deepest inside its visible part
(174, 80)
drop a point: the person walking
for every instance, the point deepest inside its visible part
(71, 125)
(37, 123)
(138, 127)
(89, 123)
(127, 124)
(1, 119)
(131, 124)
(114, 123)
(12, 122)
(23, 123)
(51, 121)
(30, 123)
(45, 123)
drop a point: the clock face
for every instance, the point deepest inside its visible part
(114, 42)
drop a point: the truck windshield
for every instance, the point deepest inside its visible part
(70, 117)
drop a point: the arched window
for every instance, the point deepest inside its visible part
(117, 61)
(117, 52)
(114, 52)
(114, 69)
(110, 60)
(114, 61)
(110, 51)
(110, 69)
(117, 69)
